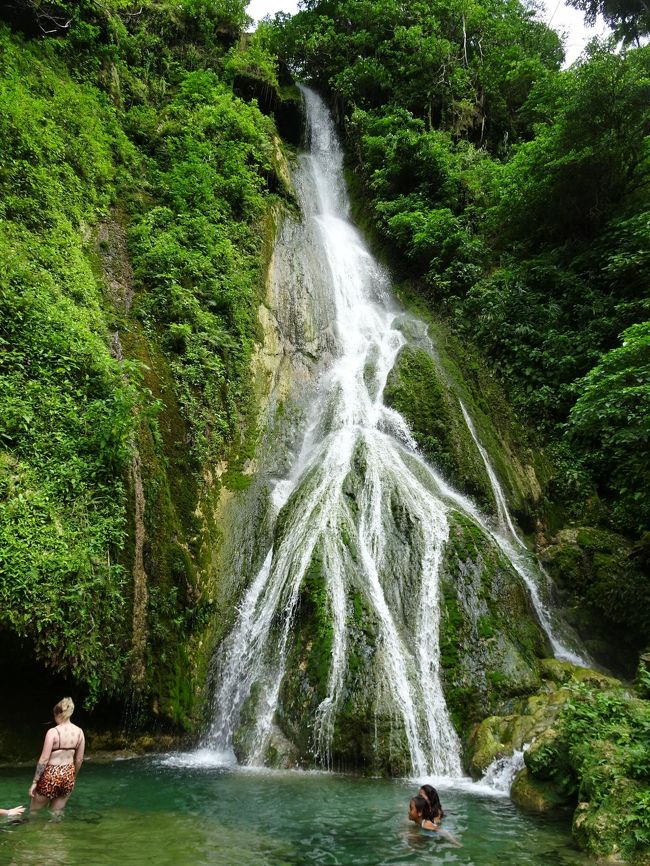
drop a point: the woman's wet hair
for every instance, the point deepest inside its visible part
(64, 709)
(434, 806)
(421, 805)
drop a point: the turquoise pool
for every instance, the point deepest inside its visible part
(187, 811)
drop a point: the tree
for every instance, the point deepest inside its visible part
(610, 423)
(589, 156)
(629, 19)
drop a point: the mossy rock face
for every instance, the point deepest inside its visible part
(588, 750)
(603, 828)
(490, 641)
(606, 734)
(533, 725)
(535, 795)
(486, 745)
(305, 683)
(366, 734)
(523, 471)
(563, 672)
(602, 591)
(416, 390)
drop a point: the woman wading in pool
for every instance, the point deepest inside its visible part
(421, 813)
(60, 760)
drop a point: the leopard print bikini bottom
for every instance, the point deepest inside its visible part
(56, 781)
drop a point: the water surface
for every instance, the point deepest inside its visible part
(164, 811)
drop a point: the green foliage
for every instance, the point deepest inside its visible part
(608, 739)
(629, 19)
(466, 66)
(254, 58)
(209, 18)
(130, 107)
(195, 255)
(67, 408)
(643, 676)
(588, 155)
(611, 423)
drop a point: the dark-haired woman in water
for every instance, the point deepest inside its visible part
(418, 811)
(428, 816)
(434, 812)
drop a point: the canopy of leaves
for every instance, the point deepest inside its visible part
(629, 19)
(611, 420)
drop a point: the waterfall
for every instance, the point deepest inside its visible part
(527, 568)
(505, 521)
(501, 773)
(356, 488)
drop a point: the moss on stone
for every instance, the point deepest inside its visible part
(520, 464)
(606, 829)
(416, 390)
(589, 747)
(485, 745)
(564, 672)
(603, 593)
(535, 795)
(490, 642)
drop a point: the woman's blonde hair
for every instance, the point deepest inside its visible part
(64, 709)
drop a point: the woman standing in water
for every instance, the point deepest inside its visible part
(60, 761)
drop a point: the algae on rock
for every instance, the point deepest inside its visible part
(603, 591)
(588, 750)
(415, 389)
(491, 642)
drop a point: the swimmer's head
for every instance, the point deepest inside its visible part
(64, 709)
(429, 793)
(417, 808)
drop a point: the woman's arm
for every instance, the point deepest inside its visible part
(9, 813)
(428, 825)
(79, 753)
(44, 758)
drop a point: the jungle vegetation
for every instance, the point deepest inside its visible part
(137, 185)
(511, 193)
(125, 115)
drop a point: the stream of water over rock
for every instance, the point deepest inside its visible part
(356, 483)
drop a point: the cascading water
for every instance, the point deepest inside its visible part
(356, 481)
(514, 548)
(501, 773)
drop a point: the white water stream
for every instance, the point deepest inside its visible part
(524, 564)
(356, 467)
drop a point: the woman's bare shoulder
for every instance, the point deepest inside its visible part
(428, 825)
